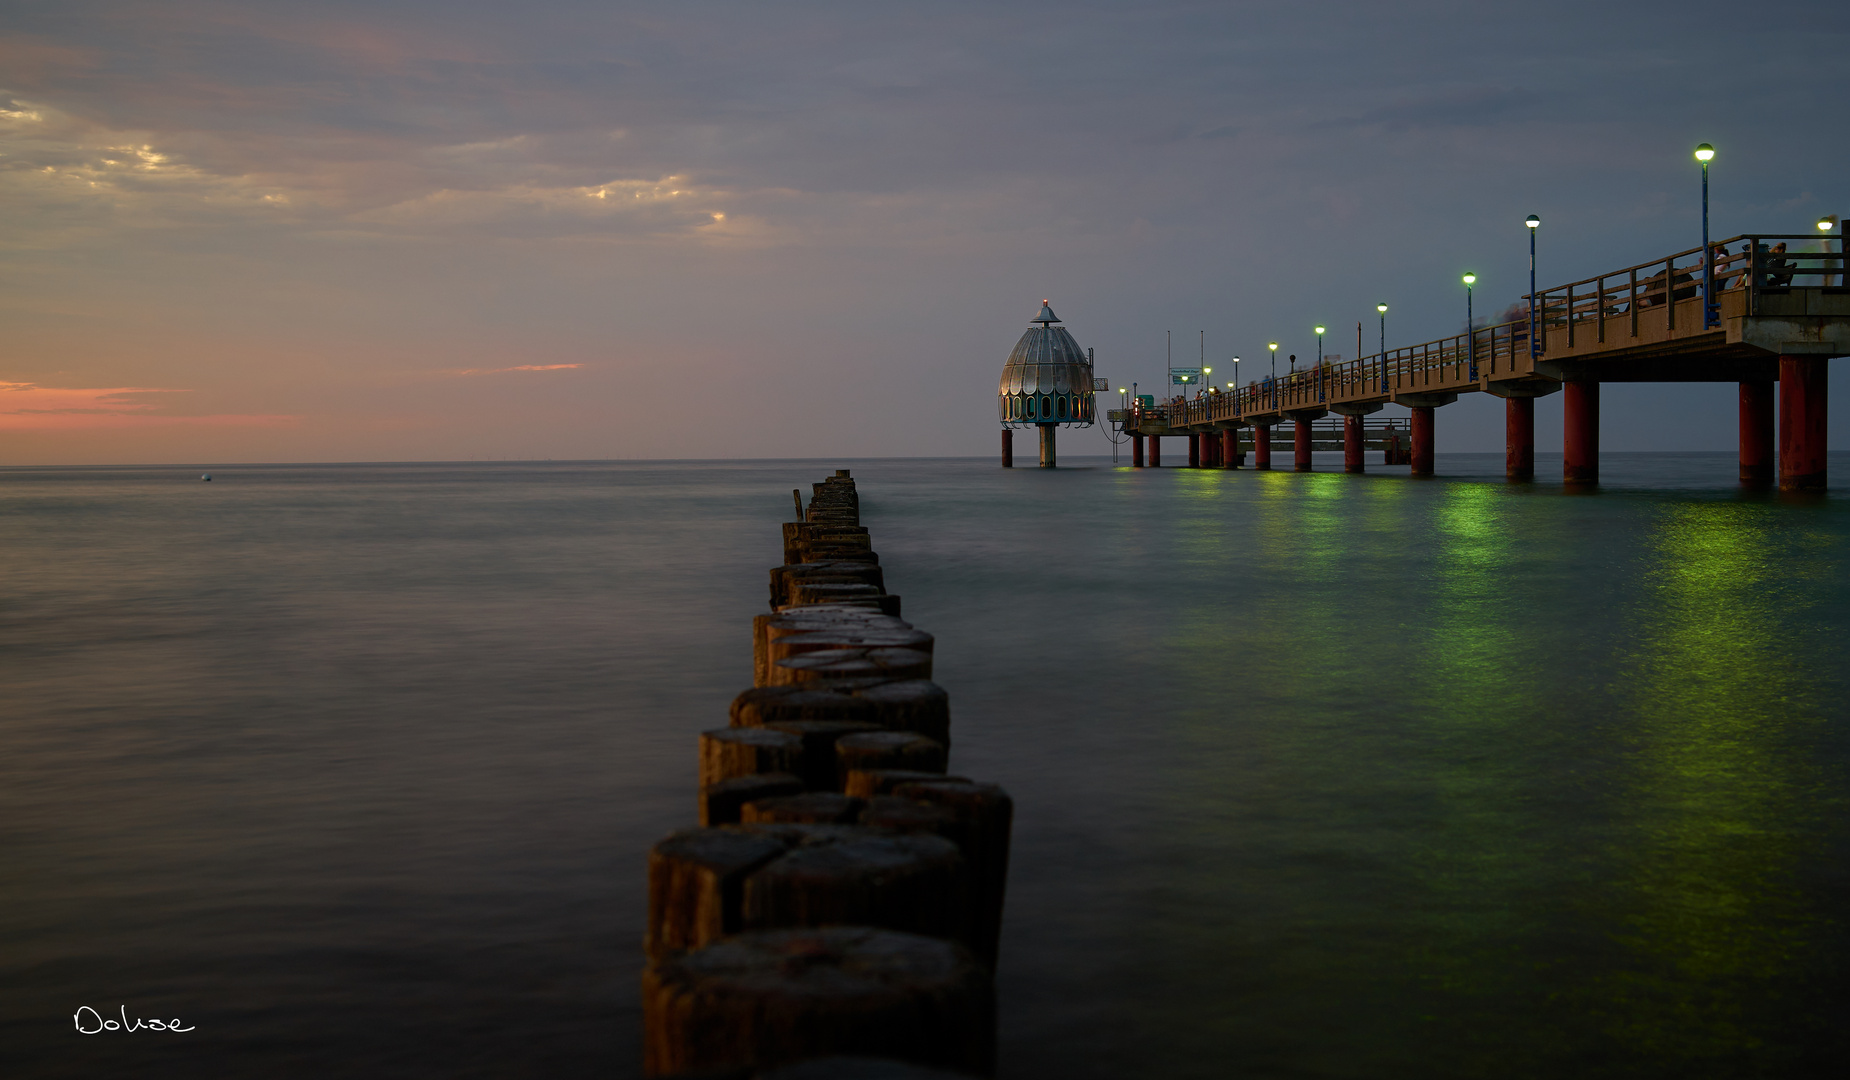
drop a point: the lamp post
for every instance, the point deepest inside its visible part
(1470, 326)
(1533, 222)
(1711, 315)
(1273, 346)
(1124, 418)
(1319, 363)
(1381, 309)
(1825, 225)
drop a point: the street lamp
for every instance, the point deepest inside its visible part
(1382, 310)
(1825, 225)
(1319, 363)
(1533, 222)
(1124, 418)
(1711, 315)
(1470, 326)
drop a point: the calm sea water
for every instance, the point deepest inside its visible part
(353, 769)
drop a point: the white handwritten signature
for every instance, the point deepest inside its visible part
(98, 1024)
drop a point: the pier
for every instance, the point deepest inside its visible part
(1774, 322)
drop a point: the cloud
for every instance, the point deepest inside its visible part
(64, 178)
(517, 367)
(31, 407)
(61, 176)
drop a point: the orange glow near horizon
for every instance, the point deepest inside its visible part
(31, 407)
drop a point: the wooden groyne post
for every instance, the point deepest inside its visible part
(843, 893)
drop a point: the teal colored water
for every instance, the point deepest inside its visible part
(353, 769)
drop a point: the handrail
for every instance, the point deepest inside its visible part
(1752, 238)
(1590, 303)
(1756, 267)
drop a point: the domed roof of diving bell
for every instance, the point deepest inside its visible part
(1046, 360)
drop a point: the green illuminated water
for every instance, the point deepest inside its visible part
(1316, 775)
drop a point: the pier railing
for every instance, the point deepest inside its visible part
(1761, 265)
(1594, 310)
(1410, 369)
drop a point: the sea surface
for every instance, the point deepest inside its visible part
(353, 769)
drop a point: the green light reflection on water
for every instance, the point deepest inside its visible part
(1473, 859)
(1617, 885)
(1721, 807)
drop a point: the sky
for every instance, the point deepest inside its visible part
(420, 230)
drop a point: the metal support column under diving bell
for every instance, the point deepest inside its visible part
(1047, 431)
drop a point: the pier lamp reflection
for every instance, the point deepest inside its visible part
(1715, 922)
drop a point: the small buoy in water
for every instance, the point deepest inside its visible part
(206, 476)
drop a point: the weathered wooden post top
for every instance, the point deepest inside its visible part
(1046, 383)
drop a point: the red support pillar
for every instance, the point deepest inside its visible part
(1008, 448)
(1210, 449)
(1802, 397)
(1262, 446)
(1757, 434)
(1300, 445)
(1580, 432)
(1230, 448)
(1136, 451)
(1156, 452)
(1194, 451)
(1519, 438)
(1422, 440)
(1352, 444)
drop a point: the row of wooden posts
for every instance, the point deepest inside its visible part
(836, 913)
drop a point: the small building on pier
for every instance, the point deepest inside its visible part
(1046, 385)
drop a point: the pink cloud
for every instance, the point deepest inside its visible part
(517, 367)
(31, 407)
